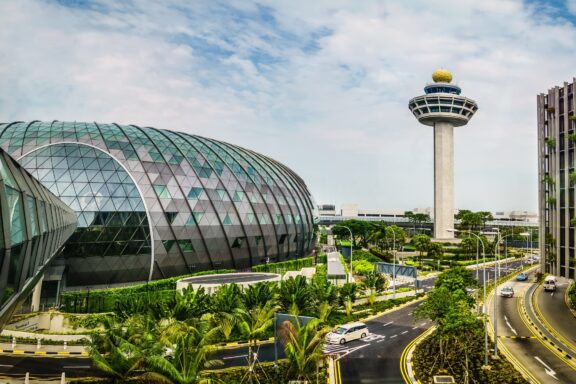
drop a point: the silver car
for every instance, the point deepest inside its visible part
(507, 292)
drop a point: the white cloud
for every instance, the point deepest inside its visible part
(322, 86)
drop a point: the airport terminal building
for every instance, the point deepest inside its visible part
(154, 203)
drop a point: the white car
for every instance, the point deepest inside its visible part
(348, 332)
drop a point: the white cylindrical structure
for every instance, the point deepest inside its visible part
(443, 180)
(443, 107)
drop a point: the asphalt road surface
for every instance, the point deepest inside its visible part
(553, 307)
(514, 333)
(376, 358)
(15, 365)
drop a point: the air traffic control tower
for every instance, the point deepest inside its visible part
(443, 107)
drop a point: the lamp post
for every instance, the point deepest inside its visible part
(351, 241)
(496, 275)
(394, 262)
(479, 240)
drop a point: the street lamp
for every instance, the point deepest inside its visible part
(351, 241)
(394, 262)
(496, 275)
(479, 240)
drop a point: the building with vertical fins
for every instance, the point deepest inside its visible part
(154, 203)
(557, 179)
(443, 107)
(34, 225)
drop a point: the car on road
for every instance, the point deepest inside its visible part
(522, 277)
(347, 332)
(550, 283)
(507, 292)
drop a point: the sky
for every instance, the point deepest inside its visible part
(322, 86)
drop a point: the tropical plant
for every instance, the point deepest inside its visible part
(254, 323)
(295, 295)
(189, 303)
(113, 353)
(303, 348)
(257, 295)
(374, 283)
(435, 250)
(347, 296)
(189, 346)
(421, 242)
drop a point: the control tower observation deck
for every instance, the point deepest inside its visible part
(443, 107)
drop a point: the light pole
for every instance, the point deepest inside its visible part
(479, 240)
(394, 262)
(496, 275)
(351, 241)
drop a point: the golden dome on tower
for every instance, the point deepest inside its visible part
(442, 76)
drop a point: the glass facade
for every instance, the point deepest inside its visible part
(154, 203)
(34, 224)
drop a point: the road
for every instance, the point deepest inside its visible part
(13, 365)
(377, 359)
(520, 340)
(555, 314)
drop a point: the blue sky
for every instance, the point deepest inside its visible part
(321, 86)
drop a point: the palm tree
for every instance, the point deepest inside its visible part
(303, 347)
(254, 323)
(189, 303)
(224, 302)
(258, 295)
(348, 296)
(191, 346)
(113, 353)
(295, 295)
(375, 283)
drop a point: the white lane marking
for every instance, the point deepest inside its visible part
(390, 322)
(230, 357)
(552, 294)
(414, 328)
(547, 369)
(76, 367)
(350, 351)
(393, 336)
(381, 340)
(405, 332)
(6, 365)
(372, 337)
(509, 326)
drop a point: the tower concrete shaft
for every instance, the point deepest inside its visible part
(443, 180)
(443, 107)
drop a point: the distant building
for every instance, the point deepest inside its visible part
(556, 175)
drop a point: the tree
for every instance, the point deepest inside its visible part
(360, 230)
(113, 353)
(254, 323)
(374, 283)
(224, 302)
(421, 242)
(456, 279)
(191, 345)
(303, 348)
(395, 236)
(257, 295)
(347, 296)
(295, 295)
(468, 244)
(378, 235)
(435, 250)
(189, 303)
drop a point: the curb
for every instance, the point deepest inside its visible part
(43, 353)
(406, 364)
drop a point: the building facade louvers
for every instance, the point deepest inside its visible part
(34, 225)
(155, 203)
(557, 179)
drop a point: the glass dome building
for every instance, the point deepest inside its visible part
(155, 203)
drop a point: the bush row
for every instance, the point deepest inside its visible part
(290, 265)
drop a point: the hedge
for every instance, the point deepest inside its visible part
(283, 266)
